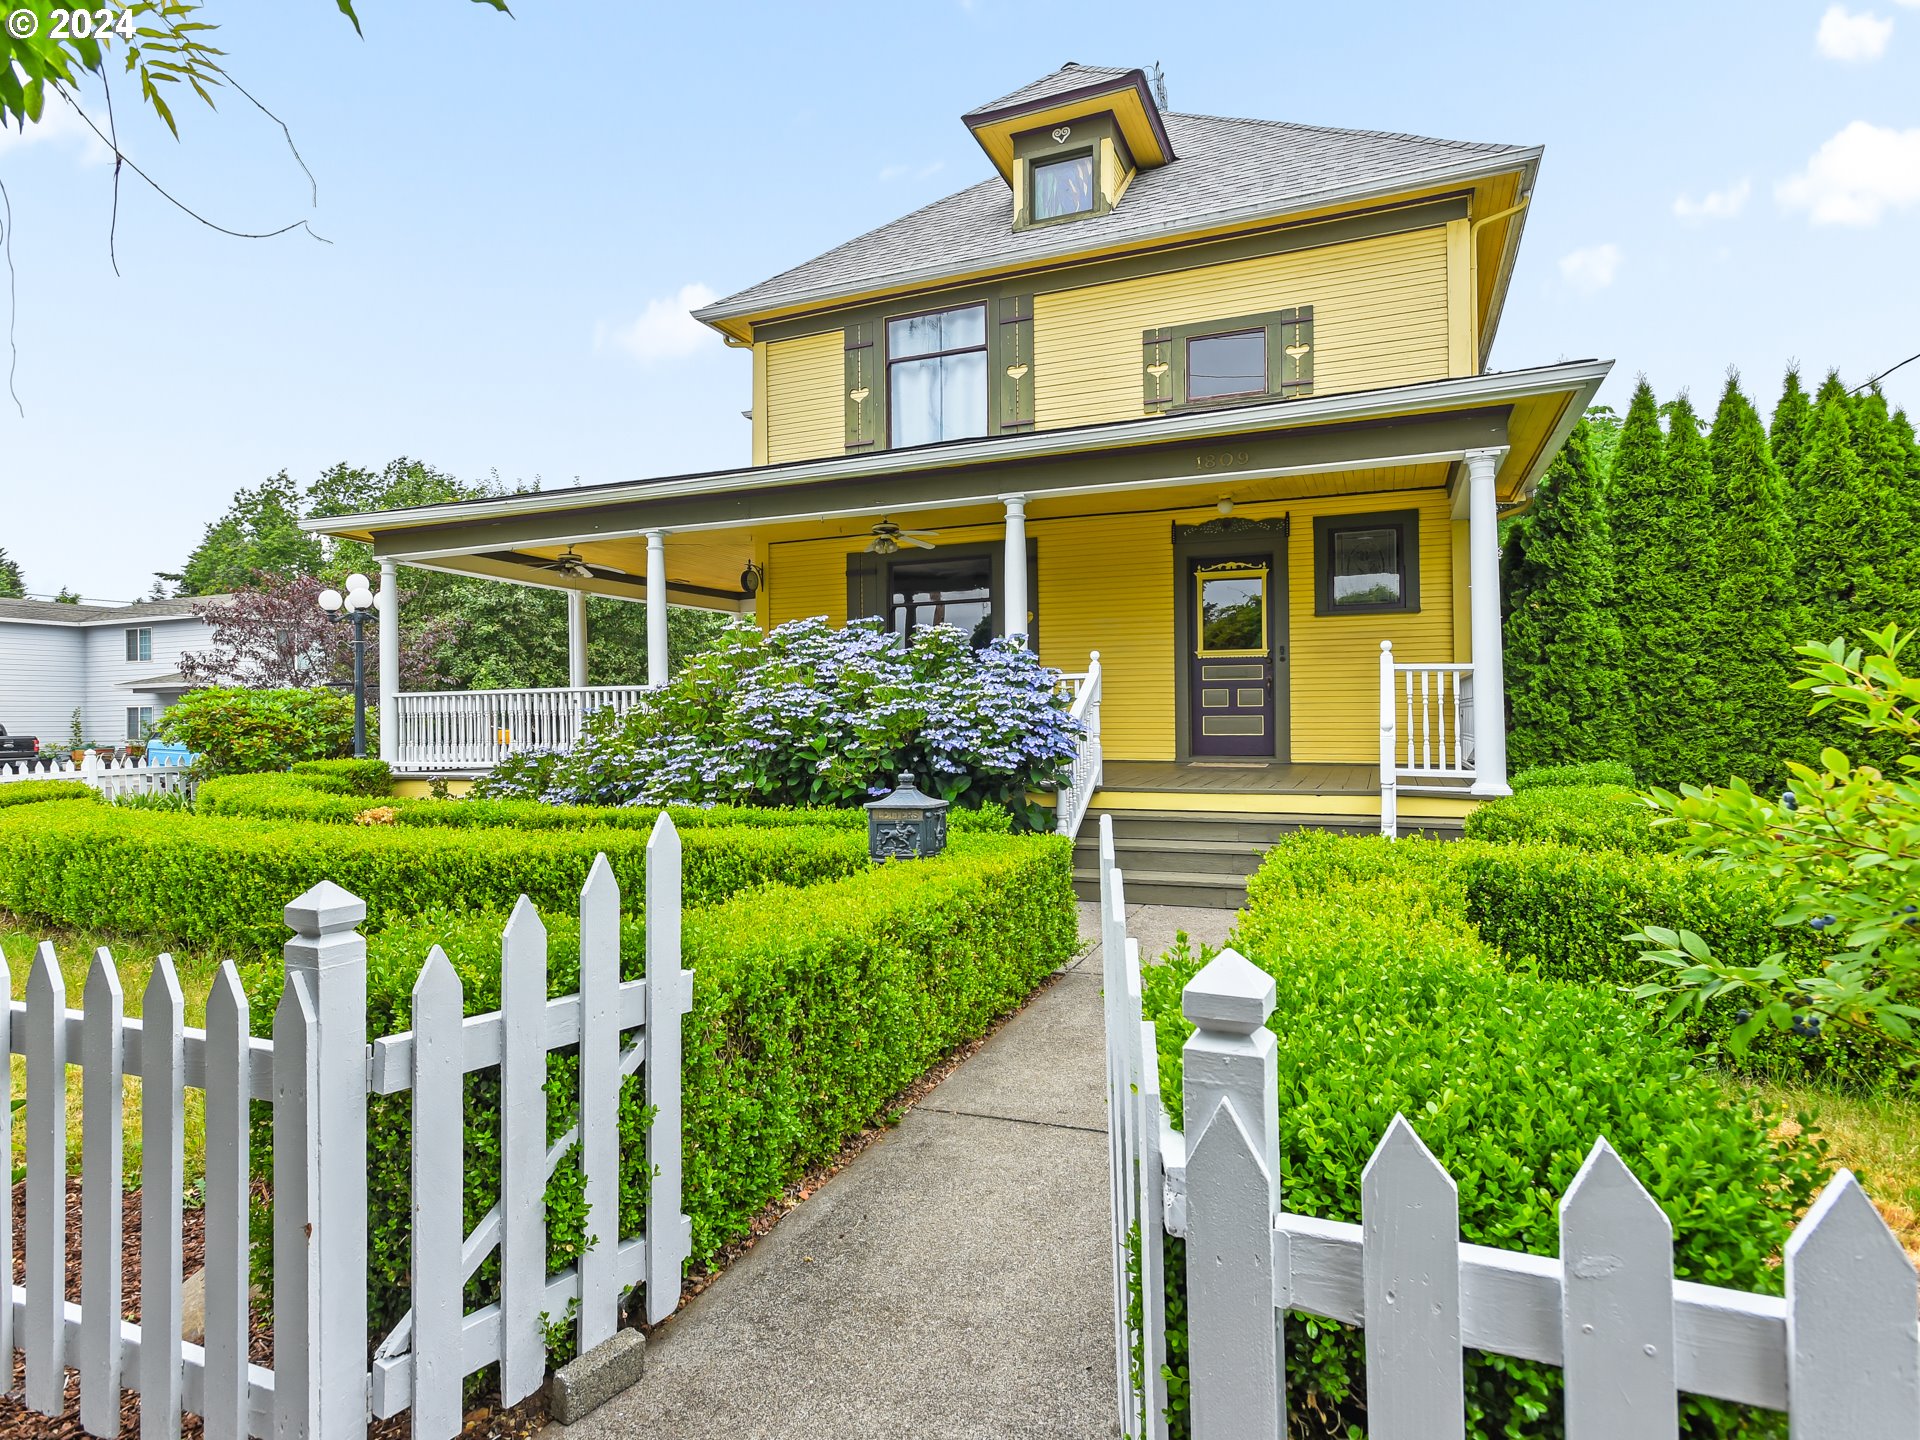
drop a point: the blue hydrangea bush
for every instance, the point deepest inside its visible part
(811, 715)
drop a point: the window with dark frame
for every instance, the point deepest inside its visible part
(937, 376)
(140, 644)
(1220, 367)
(1062, 187)
(139, 719)
(948, 591)
(1366, 564)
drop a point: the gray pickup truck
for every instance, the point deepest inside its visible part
(18, 750)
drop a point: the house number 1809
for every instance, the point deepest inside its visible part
(1221, 459)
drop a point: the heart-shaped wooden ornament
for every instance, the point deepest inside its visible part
(1296, 351)
(1060, 134)
(857, 396)
(1157, 370)
(1016, 372)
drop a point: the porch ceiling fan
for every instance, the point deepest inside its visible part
(568, 562)
(889, 537)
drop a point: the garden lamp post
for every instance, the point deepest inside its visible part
(354, 606)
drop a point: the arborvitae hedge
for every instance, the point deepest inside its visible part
(1565, 689)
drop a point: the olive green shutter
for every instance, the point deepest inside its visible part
(864, 597)
(1015, 380)
(1295, 367)
(862, 387)
(1156, 369)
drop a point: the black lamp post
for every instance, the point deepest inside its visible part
(354, 606)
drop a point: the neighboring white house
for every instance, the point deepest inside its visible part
(119, 665)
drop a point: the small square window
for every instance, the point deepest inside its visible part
(140, 644)
(1364, 564)
(139, 721)
(1222, 366)
(1062, 187)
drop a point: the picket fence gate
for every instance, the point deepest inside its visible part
(318, 1071)
(112, 778)
(1839, 1353)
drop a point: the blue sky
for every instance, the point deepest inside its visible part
(519, 211)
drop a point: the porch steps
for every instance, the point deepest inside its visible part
(1203, 858)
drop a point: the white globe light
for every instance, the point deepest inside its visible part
(329, 600)
(379, 602)
(357, 581)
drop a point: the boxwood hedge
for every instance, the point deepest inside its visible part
(33, 792)
(1593, 817)
(1389, 1001)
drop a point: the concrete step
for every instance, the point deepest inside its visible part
(1187, 857)
(1169, 887)
(1254, 827)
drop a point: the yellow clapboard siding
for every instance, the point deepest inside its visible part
(1379, 311)
(806, 415)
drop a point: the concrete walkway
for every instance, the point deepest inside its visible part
(952, 1281)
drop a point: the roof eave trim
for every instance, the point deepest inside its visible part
(1525, 158)
(1357, 405)
(1509, 257)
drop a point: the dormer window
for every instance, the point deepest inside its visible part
(1063, 187)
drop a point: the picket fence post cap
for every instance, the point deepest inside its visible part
(325, 910)
(1231, 995)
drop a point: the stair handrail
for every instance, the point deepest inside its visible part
(1087, 768)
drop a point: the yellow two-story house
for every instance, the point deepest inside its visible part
(1204, 397)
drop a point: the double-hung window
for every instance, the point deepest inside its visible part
(937, 376)
(139, 721)
(140, 644)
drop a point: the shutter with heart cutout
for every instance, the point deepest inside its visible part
(1015, 362)
(862, 390)
(1156, 369)
(1295, 335)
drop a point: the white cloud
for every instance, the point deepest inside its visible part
(917, 172)
(1591, 268)
(1715, 204)
(1844, 35)
(57, 125)
(664, 330)
(1856, 175)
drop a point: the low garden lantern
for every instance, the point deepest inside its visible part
(906, 825)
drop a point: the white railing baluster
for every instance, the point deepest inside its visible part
(438, 1224)
(162, 1181)
(600, 1103)
(45, 1333)
(97, 1356)
(223, 1400)
(523, 1152)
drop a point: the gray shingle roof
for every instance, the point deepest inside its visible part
(1068, 77)
(1228, 169)
(58, 613)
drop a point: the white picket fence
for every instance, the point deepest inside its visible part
(477, 729)
(318, 1071)
(1088, 768)
(112, 778)
(1426, 729)
(1840, 1353)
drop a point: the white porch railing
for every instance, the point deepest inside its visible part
(112, 778)
(1426, 728)
(477, 729)
(1070, 805)
(1839, 1352)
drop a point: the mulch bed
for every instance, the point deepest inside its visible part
(485, 1421)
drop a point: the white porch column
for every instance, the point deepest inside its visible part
(656, 607)
(1014, 578)
(577, 639)
(389, 602)
(1489, 672)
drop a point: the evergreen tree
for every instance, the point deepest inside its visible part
(13, 584)
(1884, 443)
(1788, 437)
(1568, 697)
(1749, 623)
(1646, 605)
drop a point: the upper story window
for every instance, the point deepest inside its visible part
(1220, 366)
(140, 644)
(937, 376)
(1063, 187)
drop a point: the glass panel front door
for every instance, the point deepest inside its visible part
(1230, 686)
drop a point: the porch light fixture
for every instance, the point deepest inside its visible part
(354, 606)
(752, 578)
(1225, 507)
(905, 824)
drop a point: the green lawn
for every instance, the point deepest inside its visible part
(134, 959)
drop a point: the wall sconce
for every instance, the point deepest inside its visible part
(752, 578)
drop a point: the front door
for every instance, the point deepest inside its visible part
(1230, 696)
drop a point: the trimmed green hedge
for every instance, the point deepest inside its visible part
(346, 777)
(1592, 817)
(1390, 1002)
(221, 881)
(1592, 772)
(812, 1008)
(295, 796)
(33, 792)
